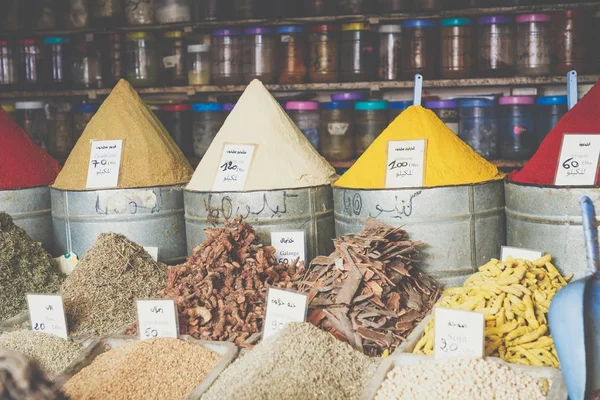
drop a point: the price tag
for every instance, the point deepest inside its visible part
(157, 318)
(153, 251)
(405, 163)
(283, 307)
(105, 164)
(47, 314)
(458, 333)
(234, 167)
(338, 128)
(515, 252)
(578, 161)
(289, 246)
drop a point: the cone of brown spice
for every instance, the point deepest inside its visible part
(369, 291)
(220, 291)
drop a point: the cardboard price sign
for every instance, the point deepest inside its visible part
(47, 314)
(157, 318)
(405, 163)
(283, 307)
(234, 167)
(458, 333)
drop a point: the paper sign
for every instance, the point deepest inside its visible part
(578, 161)
(405, 163)
(157, 318)
(283, 307)
(515, 252)
(234, 167)
(458, 333)
(105, 164)
(47, 314)
(153, 251)
(289, 246)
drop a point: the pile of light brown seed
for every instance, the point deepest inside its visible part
(461, 379)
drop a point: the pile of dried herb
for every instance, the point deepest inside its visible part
(221, 289)
(100, 294)
(369, 292)
(25, 267)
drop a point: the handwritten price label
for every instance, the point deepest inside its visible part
(515, 252)
(47, 314)
(105, 164)
(289, 246)
(234, 167)
(578, 162)
(283, 307)
(458, 333)
(157, 318)
(405, 163)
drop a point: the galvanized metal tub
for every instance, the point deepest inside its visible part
(30, 209)
(151, 217)
(548, 219)
(307, 209)
(462, 226)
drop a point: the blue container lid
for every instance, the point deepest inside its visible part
(437, 104)
(56, 40)
(206, 107)
(335, 105)
(400, 105)
(419, 23)
(551, 100)
(371, 105)
(291, 29)
(258, 31)
(469, 103)
(495, 19)
(86, 108)
(226, 32)
(456, 22)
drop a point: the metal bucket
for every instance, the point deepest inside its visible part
(548, 219)
(462, 226)
(307, 209)
(30, 209)
(151, 217)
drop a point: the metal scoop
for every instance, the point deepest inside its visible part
(574, 318)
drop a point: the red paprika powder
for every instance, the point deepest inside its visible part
(22, 163)
(581, 119)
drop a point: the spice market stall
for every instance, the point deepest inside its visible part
(455, 205)
(542, 199)
(25, 173)
(262, 167)
(124, 175)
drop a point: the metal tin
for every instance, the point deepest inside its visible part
(30, 209)
(548, 219)
(462, 226)
(151, 217)
(309, 209)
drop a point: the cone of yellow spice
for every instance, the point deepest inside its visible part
(149, 157)
(448, 160)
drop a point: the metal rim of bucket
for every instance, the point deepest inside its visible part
(175, 186)
(256, 191)
(424, 187)
(25, 188)
(508, 181)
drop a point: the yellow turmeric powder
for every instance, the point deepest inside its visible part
(449, 160)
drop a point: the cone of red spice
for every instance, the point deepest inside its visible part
(584, 118)
(22, 163)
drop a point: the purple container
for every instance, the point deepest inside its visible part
(435, 104)
(226, 32)
(533, 18)
(348, 96)
(258, 31)
(307, 116)
(516, 100)
(302, 105)
(496, 41)
(495, 19)
(447, 111)
(518, 139)
(228, 107)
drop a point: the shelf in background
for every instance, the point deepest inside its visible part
(371, 18)
(498, 163)
(311, 87)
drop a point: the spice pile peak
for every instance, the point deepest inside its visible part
(448, 160)
(22, 163)
(283, 158)
(583, 118)
(149, 157)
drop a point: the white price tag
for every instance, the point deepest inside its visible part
(338, 128)
(283, 307)
(233, 168)
(289, 246)
(458, 333)
(157, 318)
(578, 161)
(171, 61)
(405, 163)
(105, 164)
(47, 314)
(153, 251)
(515, 252)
